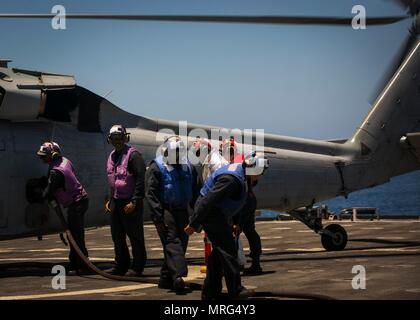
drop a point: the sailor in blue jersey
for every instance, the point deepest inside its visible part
(222, 197)
(171, 190)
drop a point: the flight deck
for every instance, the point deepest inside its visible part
(293, 260)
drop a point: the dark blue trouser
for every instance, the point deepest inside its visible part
(131, 225)
(253, 237)
(75, 220)
(223, 258)
(174, 242)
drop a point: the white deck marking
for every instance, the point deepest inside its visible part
(399, 266)
(417, 290)
(392, 249)
(155, 249)
(277, 221)
(305, 249)
(390, 238)
(270, 238)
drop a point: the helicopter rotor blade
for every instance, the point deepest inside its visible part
(338, 21)
(411, 6)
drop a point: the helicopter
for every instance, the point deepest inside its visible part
(39, 106)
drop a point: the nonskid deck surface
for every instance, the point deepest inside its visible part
(293, 260)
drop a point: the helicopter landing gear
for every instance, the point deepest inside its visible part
(333, 237)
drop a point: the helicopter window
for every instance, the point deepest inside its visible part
(61, 103)
(89, 104)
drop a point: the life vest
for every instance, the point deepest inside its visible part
(228, 206)
(73, 190)
(120, 180)
(176, 184)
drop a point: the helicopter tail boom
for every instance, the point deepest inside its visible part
(380, 142)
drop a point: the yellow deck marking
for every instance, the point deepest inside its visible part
(193, 274)
(372, 228)
(64, 249)
(63, 259)
(390, 238)
(80, 292)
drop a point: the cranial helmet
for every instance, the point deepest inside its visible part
(255, 163)
(120, 130)
(49, 148)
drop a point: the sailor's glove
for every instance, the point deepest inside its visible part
(129, 208)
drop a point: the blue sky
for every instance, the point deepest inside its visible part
(304, 81)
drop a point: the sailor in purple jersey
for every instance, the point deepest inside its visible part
(65, 188)
(126, 170)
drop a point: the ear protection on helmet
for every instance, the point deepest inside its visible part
(118, 129)
(55, 150)
(255, 159)
(126, 138)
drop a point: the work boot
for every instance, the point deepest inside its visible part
(78, 272)
(245, 293)
(115, 271)
(165, 283)
(134, 273)
(254, 270)
(73, 272)
(179, 285)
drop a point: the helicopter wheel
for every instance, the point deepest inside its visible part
(335, 239)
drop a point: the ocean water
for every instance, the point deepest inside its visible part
(400, 196)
